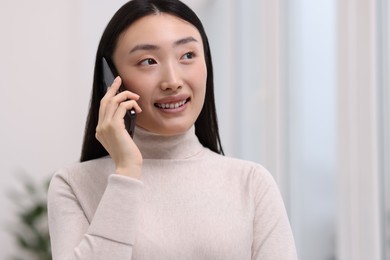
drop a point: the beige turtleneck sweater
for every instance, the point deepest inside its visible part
(190, 203)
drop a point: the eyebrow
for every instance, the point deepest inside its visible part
(184, 41)
(149, 47)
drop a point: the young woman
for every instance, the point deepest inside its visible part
(168, 192)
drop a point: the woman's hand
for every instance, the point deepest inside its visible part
(111, 131)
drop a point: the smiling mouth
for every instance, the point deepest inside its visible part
(172, 105)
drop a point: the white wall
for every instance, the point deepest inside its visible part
(39, 130)
(46, 49)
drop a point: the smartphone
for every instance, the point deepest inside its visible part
(108, 78)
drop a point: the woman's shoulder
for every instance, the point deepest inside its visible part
(250, 177)
(80, 185)
(236, 165)
(230, 161)
(84, 173)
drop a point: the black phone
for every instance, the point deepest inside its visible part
(108, 78)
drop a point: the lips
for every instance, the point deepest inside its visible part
(172, 105)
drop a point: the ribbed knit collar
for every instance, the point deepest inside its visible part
(155, 146)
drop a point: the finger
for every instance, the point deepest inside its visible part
(115, 123)
(124, 107)
(125, 95)
(113, 89)
(111, 105)
(111, 92)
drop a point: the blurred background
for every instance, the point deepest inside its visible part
(302, 87)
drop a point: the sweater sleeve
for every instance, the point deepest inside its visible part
(110, 234)
(272, 237)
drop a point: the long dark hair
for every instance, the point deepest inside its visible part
(206, 125)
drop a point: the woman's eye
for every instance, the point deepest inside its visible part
(188, 55)
(149, 61)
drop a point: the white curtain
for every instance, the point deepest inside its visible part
(297, 90)
(359, 211)
(383, 54)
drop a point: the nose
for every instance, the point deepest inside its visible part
(171, 79)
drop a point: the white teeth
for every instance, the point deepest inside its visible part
(171, 105)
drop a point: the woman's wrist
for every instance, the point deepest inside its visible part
(133, 171)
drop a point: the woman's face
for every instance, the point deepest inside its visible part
(160, 57)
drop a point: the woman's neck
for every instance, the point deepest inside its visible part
(156, 146)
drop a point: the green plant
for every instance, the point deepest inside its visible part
(31, 232)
